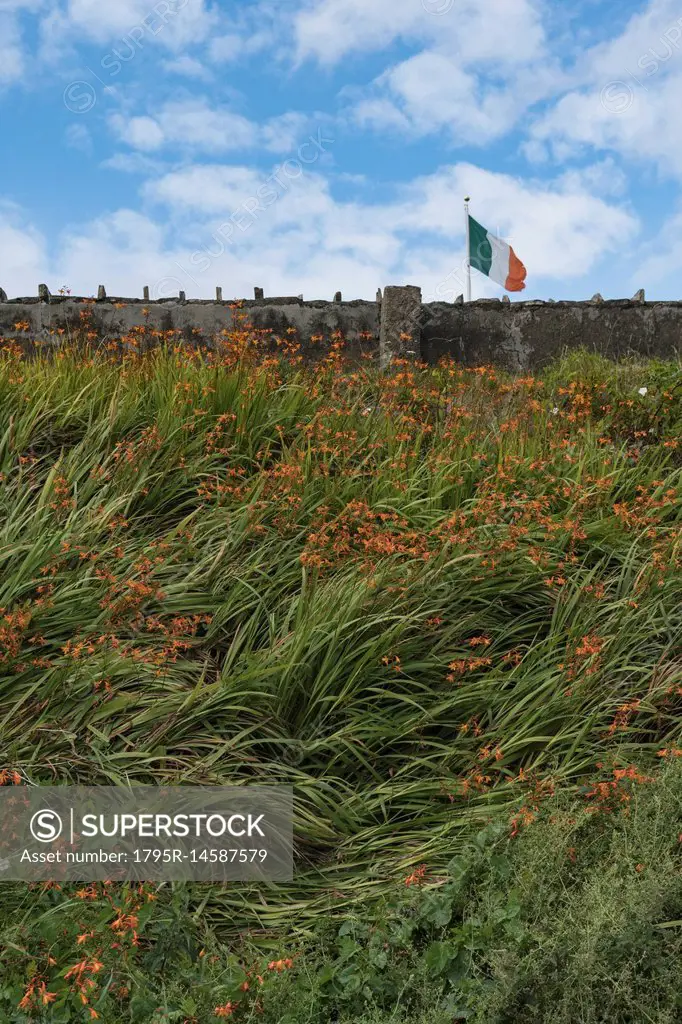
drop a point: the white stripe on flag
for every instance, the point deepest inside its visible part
(499, 271)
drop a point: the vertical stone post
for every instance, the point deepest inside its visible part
(400, 332)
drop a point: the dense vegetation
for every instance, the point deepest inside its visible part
(444, 604)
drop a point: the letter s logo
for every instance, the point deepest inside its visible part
(46, 826)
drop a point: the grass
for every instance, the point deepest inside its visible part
(430, 600)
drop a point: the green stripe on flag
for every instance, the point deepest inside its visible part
(480, 249)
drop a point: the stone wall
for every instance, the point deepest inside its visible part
(519, 336)
(199, 321)
(528, 335)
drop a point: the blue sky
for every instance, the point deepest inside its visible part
(307, 146)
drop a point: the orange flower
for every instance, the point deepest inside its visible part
(281, 965)
(480, 641)
(226, 1010)
(591, 644)
(417, 878)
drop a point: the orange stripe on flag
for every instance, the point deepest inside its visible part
(516, 281)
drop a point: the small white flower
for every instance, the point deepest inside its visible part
(555, 410)
(643, 392)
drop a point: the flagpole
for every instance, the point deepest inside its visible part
(468, 243)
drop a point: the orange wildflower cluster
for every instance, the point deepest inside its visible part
(226, 1010)
(63, 498)
(36, 995)
(281, 965)
(646, 510)
(480, 641)
(132, 452)
(125, 926)
(463, 665)
(538, 790)
(393, 661)
(488, 751)
(615, 792)
(623, 716)
(476, 781)
(13, 626)
(213, 489)
(472, 724)
(364, 534)
(81, 976)
(215, 439)
(521, 820)
(586, 659)
(417, 877)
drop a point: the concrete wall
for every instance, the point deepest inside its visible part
(519, 336)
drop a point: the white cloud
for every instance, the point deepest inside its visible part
(241, 43)
(123, 29)
(187, 66)
(13, 61)
(480, 65)
(661, 259)
(627, 97)
(284, 134)
(656, 27)
(23, 262)
(329, 29)
(290, 234)
(139, 132)
(195, 124)
(78, 137)
(175, 22)
(191, 123)
(431, 91)
(134, 163)
(11, 52)
(501, 31)
(560, 231)
(603, 178)
(473, 73)
(620, 117)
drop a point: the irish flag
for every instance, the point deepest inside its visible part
(495, 258)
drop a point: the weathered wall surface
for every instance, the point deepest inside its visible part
(519, 336)
(527, 335)
(198, 321)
